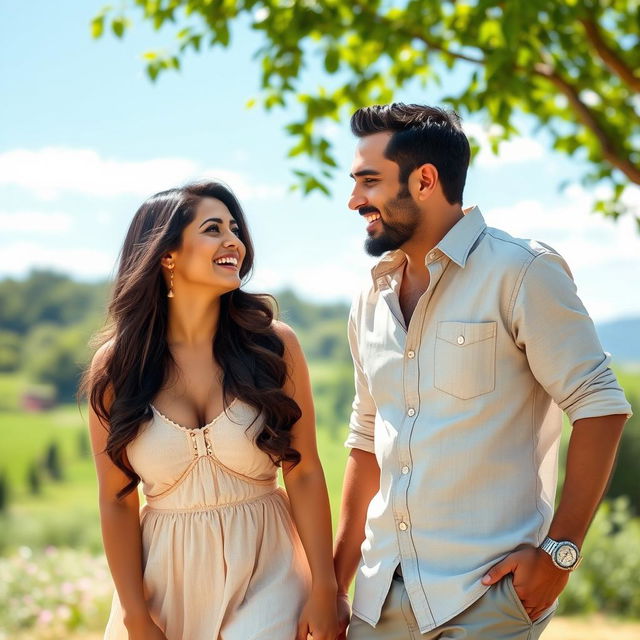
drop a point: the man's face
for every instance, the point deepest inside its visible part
(391, 213)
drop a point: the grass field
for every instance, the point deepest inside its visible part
(66, 513)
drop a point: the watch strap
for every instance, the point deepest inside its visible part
(549, 546)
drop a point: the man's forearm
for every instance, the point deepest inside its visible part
(590, 460)
(361, 483)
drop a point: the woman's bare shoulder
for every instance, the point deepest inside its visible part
(102, 355)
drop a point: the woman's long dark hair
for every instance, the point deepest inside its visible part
(137, 358)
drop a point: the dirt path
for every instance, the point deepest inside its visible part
(592, 628)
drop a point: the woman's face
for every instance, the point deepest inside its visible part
(211, 252)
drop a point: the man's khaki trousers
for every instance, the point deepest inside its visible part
(497, 615)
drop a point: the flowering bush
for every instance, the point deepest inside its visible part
(53, 592)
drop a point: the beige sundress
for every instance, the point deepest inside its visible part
(222, 559)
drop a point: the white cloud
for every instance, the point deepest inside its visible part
(584, 238)
(41, 222)
(54, 171)
(243, 186)
(603, 255)
(516, 150)
(19, 258)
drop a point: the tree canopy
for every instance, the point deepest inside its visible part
(572, 65)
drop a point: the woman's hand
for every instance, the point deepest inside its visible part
(344, 614)
(319, 618)
(145, 629)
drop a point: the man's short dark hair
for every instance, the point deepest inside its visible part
(420, 135)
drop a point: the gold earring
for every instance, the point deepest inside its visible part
(171, 294)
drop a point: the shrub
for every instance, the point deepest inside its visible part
(53, 593)
(62, 527)
(607, 579)
(625, 480)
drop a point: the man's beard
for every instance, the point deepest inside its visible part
(395, 234)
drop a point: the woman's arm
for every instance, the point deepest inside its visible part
(120, 522)
(307, 490)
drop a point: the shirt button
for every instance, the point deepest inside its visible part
(403, 526)
(411, 412)
(405, 470)
(411, 354)
(460, 339)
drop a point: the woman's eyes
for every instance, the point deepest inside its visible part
(216, 228)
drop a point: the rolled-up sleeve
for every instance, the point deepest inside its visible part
(363, 414)
(550, 323)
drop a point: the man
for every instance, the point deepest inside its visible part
(460, 345)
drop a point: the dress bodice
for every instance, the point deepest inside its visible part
(213, 466)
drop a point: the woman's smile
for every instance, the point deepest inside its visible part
(228, 262)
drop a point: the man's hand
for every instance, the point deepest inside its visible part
(537, 581)
(344, 615)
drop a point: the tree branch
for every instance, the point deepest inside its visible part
(452, 54)
(610, 57)
(417, 35)
(609, 151)
(588, 119)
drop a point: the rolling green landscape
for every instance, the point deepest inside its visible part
(54, 582)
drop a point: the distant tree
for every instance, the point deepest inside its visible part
(4, 491)
(53, 462)
(572, 66)
(56, 356)
(45, 297)
(9, 351)
(327, 339)
(34, 479)
(626, 479)
(302, 314)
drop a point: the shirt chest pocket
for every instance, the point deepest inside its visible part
(465, 358)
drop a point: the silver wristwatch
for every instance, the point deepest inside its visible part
(564, 554)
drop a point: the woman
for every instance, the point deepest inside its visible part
(198, 393)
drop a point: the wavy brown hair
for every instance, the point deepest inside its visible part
(137, 358)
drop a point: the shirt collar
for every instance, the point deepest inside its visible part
(460, 239)
(456, 245)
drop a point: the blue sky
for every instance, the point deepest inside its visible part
(85, 138)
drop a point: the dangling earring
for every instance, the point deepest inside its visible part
(170, 294)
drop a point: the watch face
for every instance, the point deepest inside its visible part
(566, 555)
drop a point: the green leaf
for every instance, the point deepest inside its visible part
(118, 26)
(152, 71)
(97, 27)
(332, 60)
(368, 51)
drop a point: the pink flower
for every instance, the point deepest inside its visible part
(45, 617)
